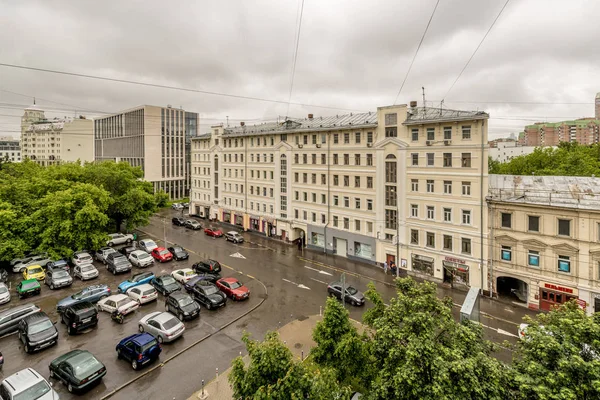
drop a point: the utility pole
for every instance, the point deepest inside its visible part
(343, 289)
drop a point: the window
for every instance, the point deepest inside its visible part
(391, 119)
(466, 246)
(347, 202)
(313, 179)
(296, 214)
(314, 217)
(271, 174)
(323, 218)
(296, 194)
(323, 158)
(414, 236)
(346, 159)
(447, 159)
(466, 188)
(346, 138)
(314, 139)
(390, 172)
(466, 217)
(447, 215)
(447, 242)
(323, 199)
(466, 131)
(369, 159)
(414, 210)
(447, 133)
(357, 159)
(346, 180)
(564, 263)
(346, 223)
(296, 158)
(447, 187)
(304, 158)
(369, 182)
(466, 160)
(314, 197)
(369, 137)
(357, 139)
(390, 219)
(305, 141)
(357, 225)
(305, 196)
(336, 180)
(506, 220)
(430, 161)
(415, 159)
(533, 258)
(314, 158)
(323, 138)
(335, 221)
(323, 179)
(390, 196)
(430, 186)
(336, 200)
(506, 253)
(430, 212)
(283, 137)
(305, 178)
(335, 138)
(304, 213)
(430, 239)
(335, 159)
(430, 133)
(533, 223)
(370, 205)
(564, 227)
(357, 181)
(391, 132)
(369, 227)
(296, 175)
(414, 185)
(414, 133)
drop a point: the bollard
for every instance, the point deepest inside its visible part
(320, 311)
(202, 386)
(203, 395)
(302, 356)
(217, 374)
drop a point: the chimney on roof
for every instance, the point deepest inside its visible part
(310, 116)
(413, 104)
(242, 123)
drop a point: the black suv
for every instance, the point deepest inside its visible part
(209, 295)
(182, 305)
(79, 316)
(37, 332)
(178, 221)
(208, 267)
(117, 262)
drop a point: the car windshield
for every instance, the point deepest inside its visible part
(3, 289)
(60, 263)
(235, 285)
(123, 302)
(77, 296)
(33, 392)
(30, 285)
(39, 327)
(87, 268)
(189, 273)
(351, 290)
(143, 256)
(170, 324)
(35, 270)
(60, 274)
(149, 345)
(186, 301)
(163, 252)
(167, 280)
(84, 257)
(211, 290)
(120, 261)
(177, 249)
(150, 243)
(149, 292)
(84, 364)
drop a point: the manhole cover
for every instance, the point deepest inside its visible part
(298, 345)
(302, 317)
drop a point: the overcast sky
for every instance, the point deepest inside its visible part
(352, 54)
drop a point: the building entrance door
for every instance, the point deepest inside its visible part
(341, 248)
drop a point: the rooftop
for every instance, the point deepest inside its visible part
(420, 115)
(576, 192)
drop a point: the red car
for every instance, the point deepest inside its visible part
(213, 232)
(161, 254)
(233, 288)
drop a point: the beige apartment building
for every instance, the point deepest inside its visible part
(545, 242)
(57, 140)
(402, 184)
(10, 149)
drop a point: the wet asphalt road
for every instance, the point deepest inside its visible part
(295, 285)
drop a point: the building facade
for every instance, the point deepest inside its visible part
(153, 138)
(48, 142)
(402, 184)
(545, 240)
(597, 108)
(583, 131)
(507, 150)
(10, 149)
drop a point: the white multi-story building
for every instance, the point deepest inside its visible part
(57, 140)
(10, 149)
(506, 151)
(402, 184)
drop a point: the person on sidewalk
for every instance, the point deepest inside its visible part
(385, 267)
(393, 268)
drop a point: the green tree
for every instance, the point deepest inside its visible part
(559, 357)
(493, 166)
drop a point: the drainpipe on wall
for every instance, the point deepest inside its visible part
(491, 245)
(481, 195)
(328, 193)
(245, 179)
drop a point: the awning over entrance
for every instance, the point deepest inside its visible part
(455, 266)
(423, 258)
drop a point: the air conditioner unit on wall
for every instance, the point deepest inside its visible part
(429, 142)
(318, 145)
(369, 144)
(447, 142)
(300, 145)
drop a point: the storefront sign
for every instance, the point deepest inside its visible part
(455, 260)
(558, 288)
(581, 303)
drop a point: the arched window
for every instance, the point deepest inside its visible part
(390, 157)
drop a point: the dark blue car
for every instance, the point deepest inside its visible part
(139, 349)
(91, 293)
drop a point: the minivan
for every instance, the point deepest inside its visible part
(79, 316)
(9, 319)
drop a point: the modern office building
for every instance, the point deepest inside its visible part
(153, 138)
(56, 140)
(10, 149)
(402, 184)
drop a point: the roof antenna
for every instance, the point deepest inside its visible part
(227, 120)
(441, 106)
(34, 101)
(424, 105)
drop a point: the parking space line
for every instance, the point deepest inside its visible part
(316, 280)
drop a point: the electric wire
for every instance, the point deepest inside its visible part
(295, 58)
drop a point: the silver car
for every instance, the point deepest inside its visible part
(119, 238)
(103, 253)
(163, 325)
(147, 245)
(81, 258)
(85, 272)
(58, 278)
(141, 259)
(42, 260)
(4, 294)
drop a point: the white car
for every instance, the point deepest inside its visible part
(147, 245)
(183, 275)
(121, 302)
(162, 325)
(4, 294)
(42, 260)
(27, 384)
(177, 206)
(119, 238)
(81, 258)
(143, 293)
(85, 272)
(141, 259)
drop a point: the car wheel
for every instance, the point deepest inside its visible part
(180, 316)
(208, 306)
(51, 286)
(27, 349)
(71, 331)
(160, 339)
(48, 264)
(141, 328)
(167, 308)
(52, 374)
(111, 244)
(62, 320)
(119, 356)
(128, 241)
(70, 388)
(22, 270)
(114, 272)
(134, 365)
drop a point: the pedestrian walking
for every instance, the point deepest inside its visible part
(385, 267)
(393, 267)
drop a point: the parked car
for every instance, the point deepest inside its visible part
(77, 370)
(178, 221)
(101, 254)
(22, 384)
(119, 238)
(79, 316)
(165, 284)
(135, 280)
(139, 349)
(176, 206)
(59, 264)
(42, 260)
(214, 232)
(91, 293)
(179, 253)
(233, 288)
(207, 266)
(121, 302)
(182, 305)
(85, 272)
(58, 278)
(192, 224)
(147, 245)
(352, 295)
(143, 293)
(27, 257)
(81, 258)
(185, 205)
(234, 237)
(141, 259)
(161, 254)
(34, 272)
(127, 250)
(117, 263)
(28, 288)
(183, 275)
(209, 295)
(199, 278)
(9, 319)
(4, 294)
(164, 326)
(37, 332)
(3, 275)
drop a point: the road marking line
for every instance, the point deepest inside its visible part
(237, 255)
(287, 280)
(318, 270)
(227, 266)
(250, 276)
(312, 269)
(503, 332)
(316, 280)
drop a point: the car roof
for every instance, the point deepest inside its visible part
(229, 280)
(179, 295)
(23, 379)
(33, 266)
(138, 252)
(147, 241)
(144, 286)
(117, 297)
(232, 233)
(163, 317)
(159, 248)
(37, 316)
(17, 309)
(28, 281)
(81, 305)
(142, 338)
(184, 270)
(59, 262)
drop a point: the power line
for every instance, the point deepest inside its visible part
(297, 38)
(478, 46)
(50, 101)
(417, 52)
(156, 85)
(515, 102)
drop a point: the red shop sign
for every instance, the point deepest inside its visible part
(559, 288)
(582, 304)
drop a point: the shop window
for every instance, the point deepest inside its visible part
(533, 258)
(506, 253)
(564, 264)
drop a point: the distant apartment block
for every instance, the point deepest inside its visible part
(48, 142)
(583, 131)
(10, 149)
(597, 104)
(153, 138)
(505, 151)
